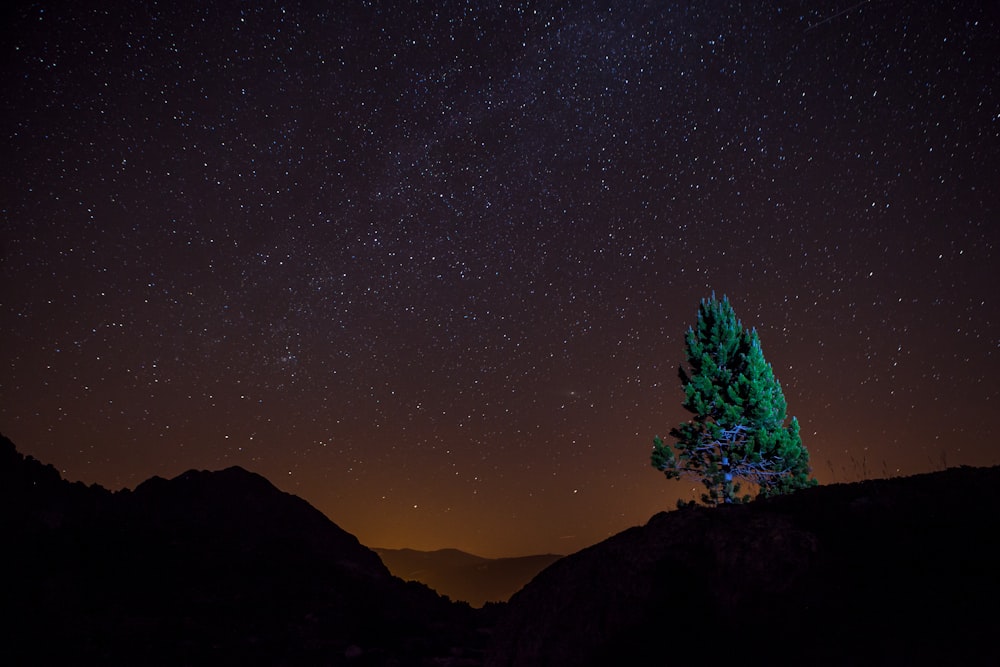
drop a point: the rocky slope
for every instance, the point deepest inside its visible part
(222, 568)
(209, 568)
(887, 572)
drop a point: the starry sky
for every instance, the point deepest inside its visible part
(429, 265)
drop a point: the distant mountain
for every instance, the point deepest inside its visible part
(463, 576)
(886, 572)
(208, 568)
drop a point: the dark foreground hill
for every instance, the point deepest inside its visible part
(215, 568)
(887, 572)
(222, 569)
(464, 576)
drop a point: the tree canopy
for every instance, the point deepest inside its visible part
(738, 434)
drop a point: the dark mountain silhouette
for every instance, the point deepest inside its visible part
(222, 568)
(885, 572)
(208, 568)
(463, 576)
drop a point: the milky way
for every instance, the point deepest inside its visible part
(430, 268)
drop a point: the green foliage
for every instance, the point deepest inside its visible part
(738, 434)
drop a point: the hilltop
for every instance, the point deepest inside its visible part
(208, 568)
(884, 572)
(218, 568)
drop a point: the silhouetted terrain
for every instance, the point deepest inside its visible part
(209, 568)
(222, 568)
(463, 576)
(887, 572)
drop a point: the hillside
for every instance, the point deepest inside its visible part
(208, 568)
(887, 572)
(220, 568)
(464, 576)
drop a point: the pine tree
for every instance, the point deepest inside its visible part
(738, 434)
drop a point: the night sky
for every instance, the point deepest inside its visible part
(430, 267)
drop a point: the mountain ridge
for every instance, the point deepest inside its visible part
(464, 576)
(217, 568)
(893, 571)
(207, 568)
